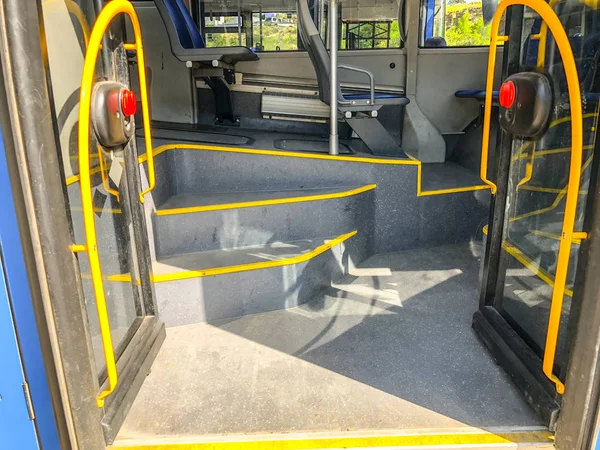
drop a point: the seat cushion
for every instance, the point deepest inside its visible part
(477, 94)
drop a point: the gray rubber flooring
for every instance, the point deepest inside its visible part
(390, 347)
(250, 138)
(447, 175)
(245, 255)
(190, 200)
(163, 132)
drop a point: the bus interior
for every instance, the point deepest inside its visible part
(390, 271)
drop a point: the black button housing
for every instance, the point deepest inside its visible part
(529, 115)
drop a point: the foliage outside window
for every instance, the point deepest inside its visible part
(279, 31)
(225, 39)
(455, 23)
(269, 30)
(224, 31)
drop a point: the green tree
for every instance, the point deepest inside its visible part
(468, 32)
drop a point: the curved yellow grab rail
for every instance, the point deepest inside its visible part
(108, 13)
(489, 85)
(553, 23)
(76, 11)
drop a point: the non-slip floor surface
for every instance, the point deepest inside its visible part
(257, 139)
(390, 347)
(204, 199)
(244, 255)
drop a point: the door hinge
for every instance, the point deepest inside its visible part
(28, 401)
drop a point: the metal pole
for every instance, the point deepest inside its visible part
(260, 26)
(333, 99)
(322, 18)
(239, 24)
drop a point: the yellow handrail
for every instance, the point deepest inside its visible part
(108, 13)
(489, 86)
(104, 176)
(553, 23)
(75, 9)
(542, 36)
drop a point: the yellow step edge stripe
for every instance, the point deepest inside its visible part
(163, 278)
(304, 155)
(529, 264)
(275, 201)
(481, 187)
(389, 441)
(356, 159)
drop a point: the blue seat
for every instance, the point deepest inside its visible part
(319, 56)
(186, 40)
(378, 96)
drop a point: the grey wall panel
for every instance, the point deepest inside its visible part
(298, 65)
(171, 95)
(442, 72)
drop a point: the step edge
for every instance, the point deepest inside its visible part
(290, 154)
(190, 274)
(431, 438)
(178, 276)
(269, 202)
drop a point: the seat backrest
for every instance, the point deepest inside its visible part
(315, 47)
(182, 31)
(191, 25)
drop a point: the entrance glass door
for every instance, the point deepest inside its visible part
(121, 236)
(527, 222)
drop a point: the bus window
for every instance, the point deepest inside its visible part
(455, 23)
(276, 28)
(358, 35)
(274, 31)
(224, 31)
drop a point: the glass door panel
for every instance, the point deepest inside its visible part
(528, 212)
(536, 195)
(67, 25)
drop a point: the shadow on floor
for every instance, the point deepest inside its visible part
(402, 326)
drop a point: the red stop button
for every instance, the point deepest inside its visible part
(128, 102)
(508, 93)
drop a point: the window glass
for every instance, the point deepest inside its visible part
(275, 31)
(275, 28)
(455, 23)
(358, 35)
(224, 30)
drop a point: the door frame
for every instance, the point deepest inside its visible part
(55, 277)
(575, 425)
(31, 421)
